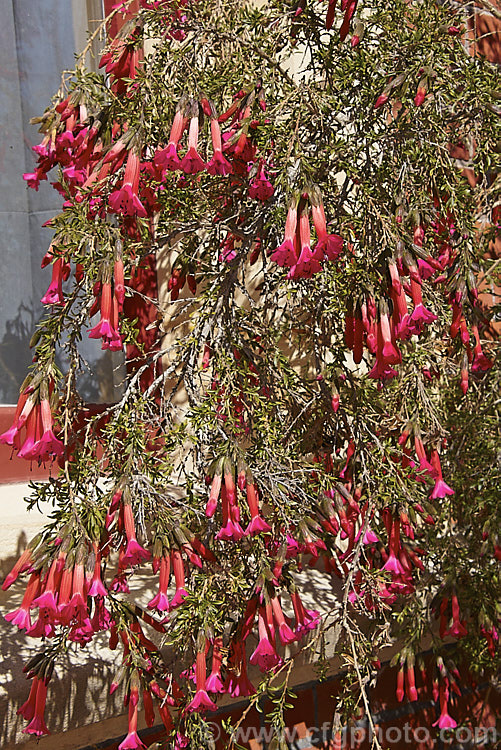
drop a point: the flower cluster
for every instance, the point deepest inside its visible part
(296, 252)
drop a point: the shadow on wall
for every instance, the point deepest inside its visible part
(15, 354)
(102, 373)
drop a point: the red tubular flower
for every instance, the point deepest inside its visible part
(218, 165)
(160, 601)
(410, 680)
(191, 163)
(329, 19)
(457, 628)
(400, 684)
(286, 254)
(125, 200)
(178, 567)
(306, 265)
(382, 99)
(37, 724)
(284, 631)
(23, 564)
(393, 564)
(104, 329)
(261, 188)
(214, 682)
(349, 7)
(134, 553)
(481, 363)
(132, 740)
(149, 711)
(237, 683)
(444, 721)
(201, 700)
(265, 655)
(257, 524)
(54, 294)
(168, 158)
(329, 246)
(441, 489)
(97, 587)
(21, 616)
(27, 710)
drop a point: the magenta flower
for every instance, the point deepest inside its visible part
(285, 254)
(37, 724)
(264, 655)
(201, 700)
(191, 163)
(218, 164)
(261, 188)
(306, 265)
(160, 601)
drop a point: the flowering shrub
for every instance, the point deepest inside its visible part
(332, 402)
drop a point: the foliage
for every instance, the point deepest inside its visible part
(294, 403)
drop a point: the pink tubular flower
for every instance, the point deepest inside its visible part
(261, 188)
(214, 682)
(420, 316)
(97, 587)
(393, 564)
(48, 445)
(134, 553)
(481, 363)
(132, 740)
(168, 158)
(306, 619)
(201, 700)
(441, 489)
(76, 609)
(178, 567)
(27, 710)
(329, 246)
(237, 683)
(257, 524)
(218, 165)
(21, 616)
(23, 408)
(104, 329)
(284, 631)
(160, 601)
(125, 200)
(191, 163)
(265, 655)
(23, 564)
(48, 598)
(444, 721)
(54, 294)
(37, 724)
(306, 265)
(286, 254)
